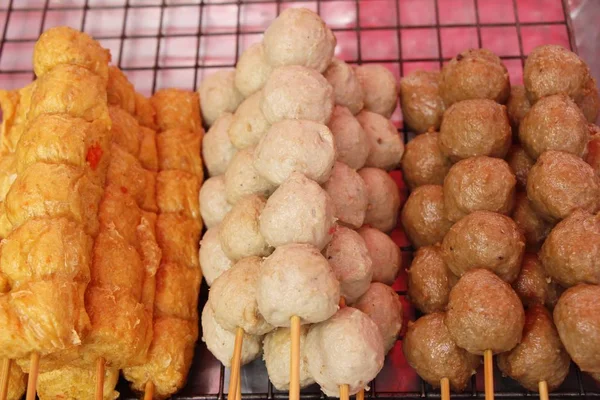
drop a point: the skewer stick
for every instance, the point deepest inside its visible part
(344, 392)
(360, 395)
(295, 358)
(238, 393)
(4, 376)
(149, 391)
(445, 388)
(34, 366)
(235, 364)
(488, 373)
(543, 388)
(100, 379)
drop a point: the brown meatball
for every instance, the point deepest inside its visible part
(484, 313)
(429, 280)
(420, 100)
(423, 216)
(571, 253)
(533, 285)
(589, 102)
(518, 106)
(554, 123)
(552, 69)
(474, 74)
(487, 240)
(577, 318)
(593, 150)
(423, 162)
(475, 128)
(534, 228)
(479, 183)
(560, 183)
(540, 356)
(430, 350)
(520, 163)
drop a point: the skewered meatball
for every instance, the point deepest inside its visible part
(348, 256)
(430, 350)
(534, 228)
(571, 253)
(520, 164)
(346, 87)
(533, 285)
(518, 106)
(382, 304)
(420, 100)
(353, 361)
(384, 199)
(277, 348)
(351, 141)
(560, 183)
(386, 144)
(379, 87)
(540, 356)
(296, 92)
(475, 128)
(479, 183)
(423, 216)
(297, 280)
(554, 123)
(349, 195)
(220, 342)
(248, 124)
(233, 298)
(384, 254)
(484, 313)
(299, 211)
(212, 258)
(218, 95)
(430, 280)
(552, 69)
(589, 102)
(242, 179)
(213, 202)
(295, 146)
(577, 318)
(299, 37)
(474, 74)
(217, 150)
(593, 150)
(423, 162)
(240, 234)
(487, 240)
(252, 70)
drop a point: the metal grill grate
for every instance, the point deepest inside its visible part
(161, 43)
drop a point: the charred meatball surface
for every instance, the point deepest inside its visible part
(422, 105)
(423, 216)
(423, 162)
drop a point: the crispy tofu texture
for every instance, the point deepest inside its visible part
(178, 237)
(74, 383)
(144, 112)
(177, 192)
(120, 91)
(125, 130)
(180, 149)
(148, 154)
(8, 173)
(15, 106)
(177, 108)
(177, 291)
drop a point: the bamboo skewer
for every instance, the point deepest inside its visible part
(238, 392)
(100, 379)
(235, 364)
(488, 373)
(360, 395)
(543, 388)
(445, 388)
(344, 392)
(33, 375)
(4, 376)
(295, 358)
(149, 391)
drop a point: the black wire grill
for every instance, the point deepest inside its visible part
(181, 57)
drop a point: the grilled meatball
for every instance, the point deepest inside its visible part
(589, 102)
(242, 179)
(520, 164)
(518, 106)
(540, 356)
(384, 199)
(484, 313)
(212, 258)
(420, 100)
(560, 183)
(346, 87)
(423, 162)
(219, 95)
(252, 70)
(430, 350)
(429, 280)
(592, 156)
(380, 88)
(475, 128)
(479, 183)
(248, 124)
(423, 216)
(217, 150)
(348, 192)
(213, 201)
(351, 140)
(533, 285)
(577, 318)
(386, 144)
(384, 253)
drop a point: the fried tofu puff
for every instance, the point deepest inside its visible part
(144, 112)
(74, 383)
(15, 106)
(120, 91)
(17, 381)
(177, 109)
(178, 149)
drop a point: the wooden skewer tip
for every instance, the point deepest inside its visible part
(100, 365)
(149, 391)
(34, 365)
(4, 377)
(360, 395)
(344, 392)
(445, 388)
(235, 364)
(543, 388)
(295, 358)
(488, 370)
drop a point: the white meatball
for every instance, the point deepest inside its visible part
(213, 202)
(383, 305)
(386, 145)
(239, 234)
(277, 348)
(296, 92)
(218, 95)
(299, 37)
(346, 87)
(295, 146)
(299, 211)
(220, 342)
(348, 256)
(346, 349)
(212, 258)
(384, 253)
(296, 280)
(384, 199)
(217, 149)
(249, 124)
(233, 298)
(351, 140)
(252, 70)
(380, 88)
(349, 195)
(241, 179)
